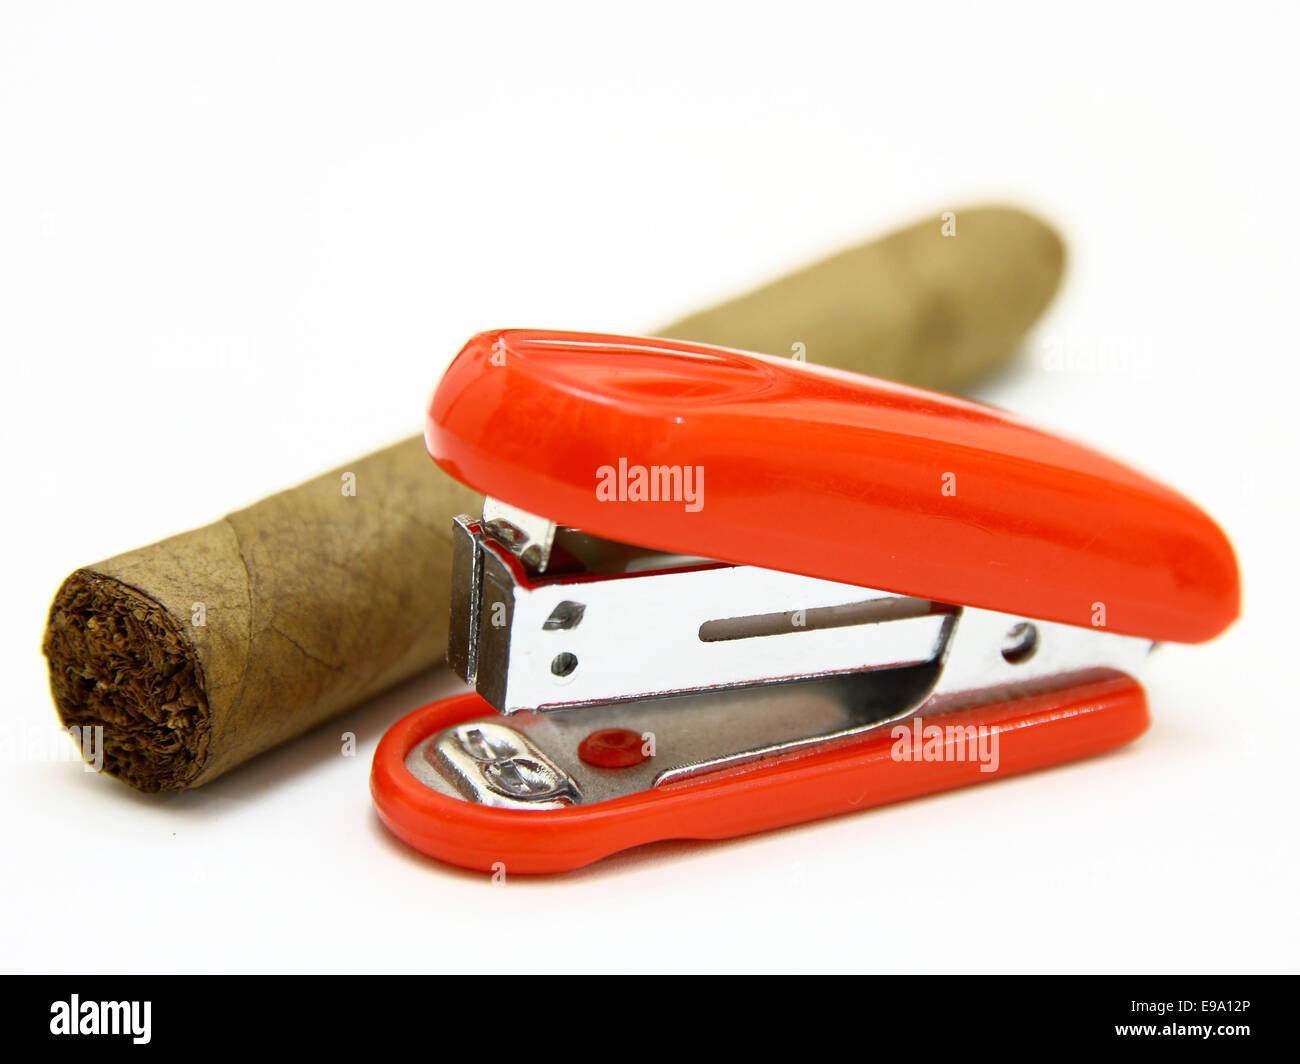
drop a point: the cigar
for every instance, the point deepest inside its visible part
(203, 650)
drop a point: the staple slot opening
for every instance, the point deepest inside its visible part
(872, 611)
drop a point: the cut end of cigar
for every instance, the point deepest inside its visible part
(119, 660)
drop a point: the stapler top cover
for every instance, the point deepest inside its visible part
(831, 475)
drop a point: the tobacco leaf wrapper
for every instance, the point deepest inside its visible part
(314, 600)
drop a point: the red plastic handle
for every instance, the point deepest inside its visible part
(1033, 732)
(775, 463)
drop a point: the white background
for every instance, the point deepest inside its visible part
(239, 241)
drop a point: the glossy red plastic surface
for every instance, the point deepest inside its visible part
(1033, 733)
(829, 474)
(613, 748)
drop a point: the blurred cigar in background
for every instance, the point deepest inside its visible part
(199, 652)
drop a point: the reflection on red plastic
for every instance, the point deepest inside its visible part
(832, 475)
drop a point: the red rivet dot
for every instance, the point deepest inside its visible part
(612, 748)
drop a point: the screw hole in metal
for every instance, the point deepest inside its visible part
(1020, 643)
(563, 664)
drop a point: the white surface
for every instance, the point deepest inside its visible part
(238, 242)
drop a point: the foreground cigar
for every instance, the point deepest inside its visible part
(203, 650)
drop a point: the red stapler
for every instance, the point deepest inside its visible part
(712, 593)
